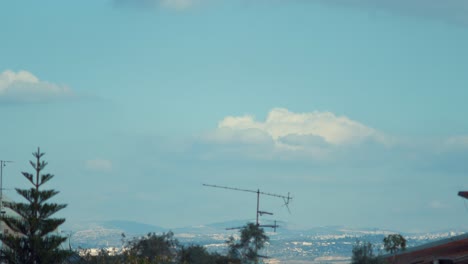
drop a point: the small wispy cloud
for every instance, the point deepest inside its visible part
(457, 142)
(25, 87)
(99, 165)
(173, 4)
(453, 11)
(437, 205)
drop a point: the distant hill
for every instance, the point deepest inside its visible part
(333, 242)
(131, 227)
(108, 233)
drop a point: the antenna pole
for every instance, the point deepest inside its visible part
(258, 204)
(258, 212)
(1, 200)
(2, 164)
(258, 225)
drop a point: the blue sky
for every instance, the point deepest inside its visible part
(358, 108)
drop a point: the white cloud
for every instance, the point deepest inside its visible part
(23, 86)
(437, 205)
(457, 142)
(454, 11)
(288, 135)
(281, 124)
(100, 165)
(173, 4)
(250, 136)
(177, 4)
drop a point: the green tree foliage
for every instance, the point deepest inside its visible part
(196, 254)
(394, 243)
(32, 237)
(157, 249)
(149, 249)
(252, 240)
(363, 253)
(153, 247)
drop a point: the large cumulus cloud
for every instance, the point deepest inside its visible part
(285, 133)
(326, 126)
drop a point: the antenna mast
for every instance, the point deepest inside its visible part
(2, 164)
(2, 212)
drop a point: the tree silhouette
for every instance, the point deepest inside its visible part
(196, 254)
(252, 240)
(363, 253)
(394, 243)
(155, 248)
(32, 236)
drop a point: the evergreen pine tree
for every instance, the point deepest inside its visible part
(32, 237)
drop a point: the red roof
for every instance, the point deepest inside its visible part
(463, 194)
(455, 249)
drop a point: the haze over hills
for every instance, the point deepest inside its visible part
(328, 243)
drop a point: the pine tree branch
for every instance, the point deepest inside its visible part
(35, 239)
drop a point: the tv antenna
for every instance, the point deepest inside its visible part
(286, 200)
